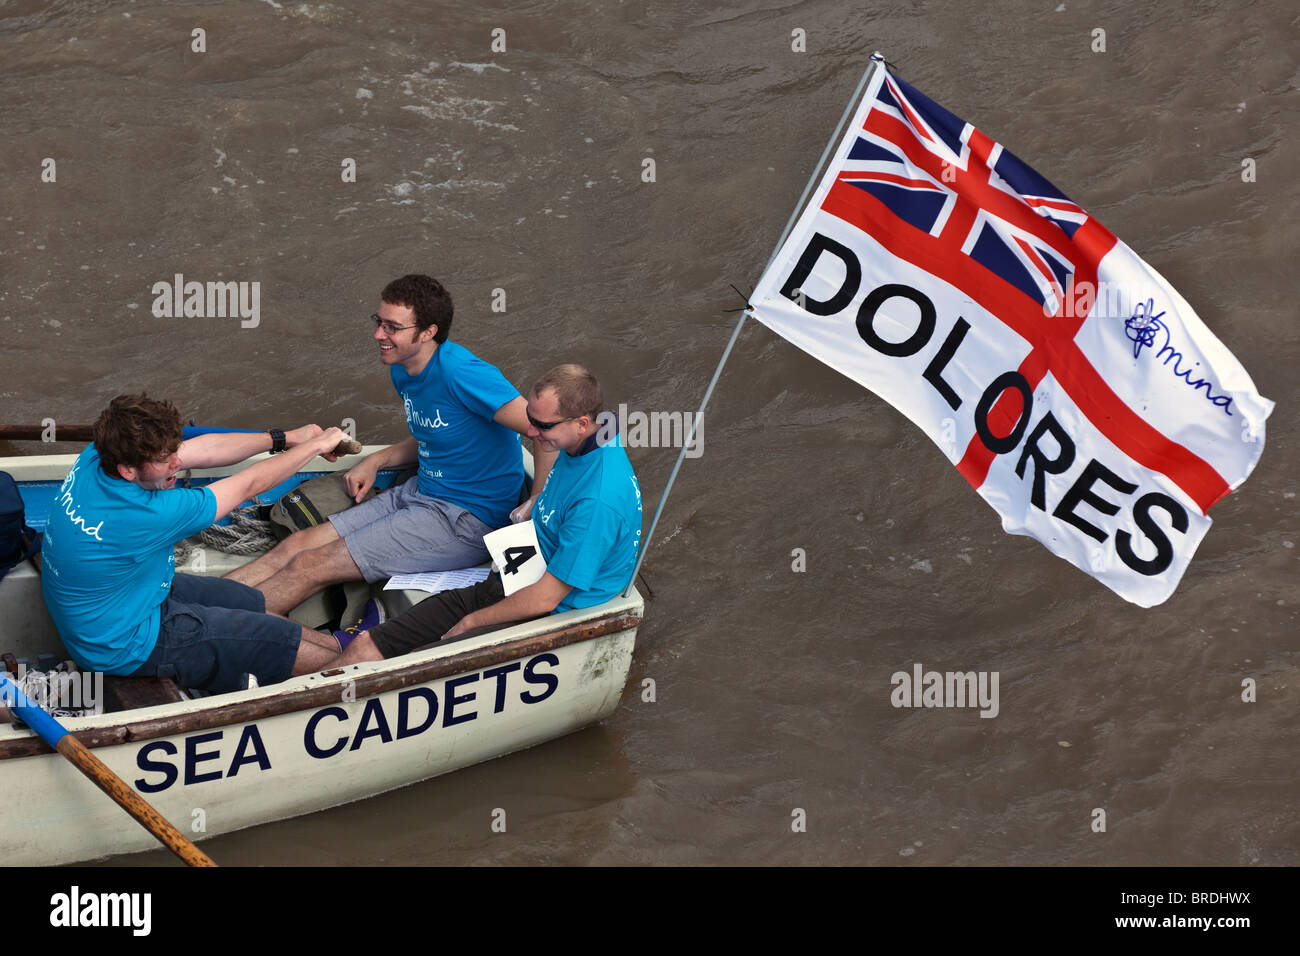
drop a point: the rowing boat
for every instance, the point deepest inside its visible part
(218, 763)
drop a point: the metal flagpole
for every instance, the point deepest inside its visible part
(876, 59)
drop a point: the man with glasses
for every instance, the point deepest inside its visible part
(465, 420)
(587, 518)
(108, 567)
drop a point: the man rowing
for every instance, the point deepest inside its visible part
(465, 419)
(108, 569)
(587, 519)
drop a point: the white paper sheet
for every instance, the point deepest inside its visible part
(435, 581)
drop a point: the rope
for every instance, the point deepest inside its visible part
(246, 534)
(50, 691)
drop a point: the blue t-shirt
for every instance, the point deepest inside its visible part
(465, 457)
(107, 561)
(588, 520)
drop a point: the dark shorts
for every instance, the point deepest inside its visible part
(215, 632)
(433, 617)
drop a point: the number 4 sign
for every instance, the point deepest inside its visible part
(515, 552)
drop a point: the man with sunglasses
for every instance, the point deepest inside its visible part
(465, 420)
(587, 518)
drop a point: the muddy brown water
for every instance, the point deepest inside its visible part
(522, 170)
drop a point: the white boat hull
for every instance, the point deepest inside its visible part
(221, 763)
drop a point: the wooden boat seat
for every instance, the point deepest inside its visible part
(124, 693)
(130, 693)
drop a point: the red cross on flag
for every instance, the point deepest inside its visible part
(1066, 380)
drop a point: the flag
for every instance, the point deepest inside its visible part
(1067, 381)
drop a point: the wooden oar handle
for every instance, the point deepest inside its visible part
(132, 802)
(57, 736)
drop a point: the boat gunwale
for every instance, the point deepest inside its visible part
(418, 671)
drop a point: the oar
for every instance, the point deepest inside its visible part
(85, 433)
(38, 433)
(54, 734)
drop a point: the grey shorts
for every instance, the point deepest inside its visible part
(404, 532)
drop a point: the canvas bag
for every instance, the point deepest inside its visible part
(312, 502)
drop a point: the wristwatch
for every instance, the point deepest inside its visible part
(277, 441)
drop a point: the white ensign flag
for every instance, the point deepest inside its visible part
(1066, 380)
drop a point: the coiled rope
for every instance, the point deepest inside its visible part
(245, 534)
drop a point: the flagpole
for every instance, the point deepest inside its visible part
(876, 59)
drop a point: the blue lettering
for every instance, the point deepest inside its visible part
(1141, 330)
(500, 674)
(250, 740)
(374, 711)
(448, 717)
(193, 758)
(549, 681)
(151, 766)
(309, 735)
(403, 711)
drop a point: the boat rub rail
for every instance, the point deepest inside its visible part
(417, 672)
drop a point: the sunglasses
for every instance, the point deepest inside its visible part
(545, 426)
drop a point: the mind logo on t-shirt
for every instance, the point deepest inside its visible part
(70, 509)
(414, 419)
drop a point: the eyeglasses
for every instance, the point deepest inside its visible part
(546, 426)
(388, 327)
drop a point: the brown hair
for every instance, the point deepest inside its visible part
(426, 297)
(576, 390)
(135, 429)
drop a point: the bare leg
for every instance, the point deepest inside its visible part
(306, 573)
(255, 572)
(361, 649)
(327, 641)
(313, 655)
